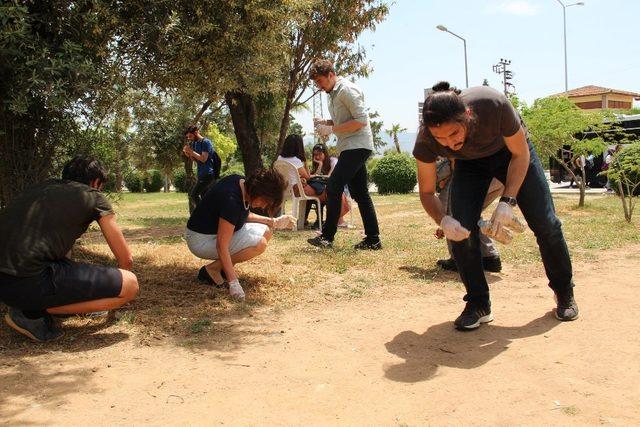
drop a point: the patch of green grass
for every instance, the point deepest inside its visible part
(128, 317)
(200, 326)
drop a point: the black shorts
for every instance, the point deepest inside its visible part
(61, 283)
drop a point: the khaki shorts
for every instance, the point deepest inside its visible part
(204, 245)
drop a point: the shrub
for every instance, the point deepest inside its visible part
(371, 164)
(395, 173)
(180, 180)
(133, 182)
(626, 167)
(153, 182)
(110, 185)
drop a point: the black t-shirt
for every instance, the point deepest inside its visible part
(223, 200)
(42, 224)
(495, 119)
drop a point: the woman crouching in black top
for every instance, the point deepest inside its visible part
(222, 227)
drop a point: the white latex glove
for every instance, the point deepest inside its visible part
(284, 222)
(324, 130)
(453, 230)
(502, 217)
(235, 290)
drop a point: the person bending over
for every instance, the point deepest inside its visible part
(38, 228)
(490, 255)
(480, 129)
(222, 227)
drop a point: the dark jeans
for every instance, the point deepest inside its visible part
(350, 170)
(471, 179)
(200, 188)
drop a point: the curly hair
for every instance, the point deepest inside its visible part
(321, 67)
(268, 184)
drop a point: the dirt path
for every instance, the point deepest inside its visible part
(383, 359)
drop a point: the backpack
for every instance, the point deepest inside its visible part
(217, 164)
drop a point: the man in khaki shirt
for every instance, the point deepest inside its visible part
(350, 124)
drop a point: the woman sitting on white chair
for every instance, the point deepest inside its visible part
(293, 152)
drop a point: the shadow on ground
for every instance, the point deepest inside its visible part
(441, 345)
(420, 273)
(173, 307)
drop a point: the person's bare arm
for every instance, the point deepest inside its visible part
(427, 177)
(115, 239)
(519, 164)
(253, 217)
(349, 126)
(223, 239)
(304, 173)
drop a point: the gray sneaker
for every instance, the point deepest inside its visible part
(42, 329)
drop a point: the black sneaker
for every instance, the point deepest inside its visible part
(41, 329)
(447, 264)
(472, 316)
(492, 264)
(204, 277)
(320, 242)
(369, 244)
(566, 309)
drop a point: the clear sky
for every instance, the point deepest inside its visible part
(408, 53)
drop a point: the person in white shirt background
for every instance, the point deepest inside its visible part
(293, 152)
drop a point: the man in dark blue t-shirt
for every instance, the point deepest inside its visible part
(201, 150)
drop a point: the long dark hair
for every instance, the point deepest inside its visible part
(326, 163)
(269, 184)
(293, 147)
(444, 105)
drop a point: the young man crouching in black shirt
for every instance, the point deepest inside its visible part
(38, 228)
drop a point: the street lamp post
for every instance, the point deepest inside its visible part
(564, 22)
(466, 73)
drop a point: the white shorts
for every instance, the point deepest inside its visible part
(204, 245)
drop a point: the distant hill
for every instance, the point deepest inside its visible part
(406, 139)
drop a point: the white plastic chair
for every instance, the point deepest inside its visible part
(299, 203)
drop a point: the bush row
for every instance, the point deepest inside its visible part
(151, 182)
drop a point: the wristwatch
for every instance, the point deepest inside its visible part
(509, 200)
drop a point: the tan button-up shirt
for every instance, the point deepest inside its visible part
(346, 102)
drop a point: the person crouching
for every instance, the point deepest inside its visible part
(222, 228)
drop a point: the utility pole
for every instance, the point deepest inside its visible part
(501, 68)
(317, 112)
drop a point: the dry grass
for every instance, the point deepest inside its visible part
(173, 306)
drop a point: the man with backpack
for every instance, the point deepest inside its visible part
(201, 150)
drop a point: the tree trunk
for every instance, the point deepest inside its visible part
(623, 199)
(583, 187)
(284, 126)
(243, 115)
(190, 181)
(204, 108)
(397, 143)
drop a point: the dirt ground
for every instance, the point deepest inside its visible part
(388, 358)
